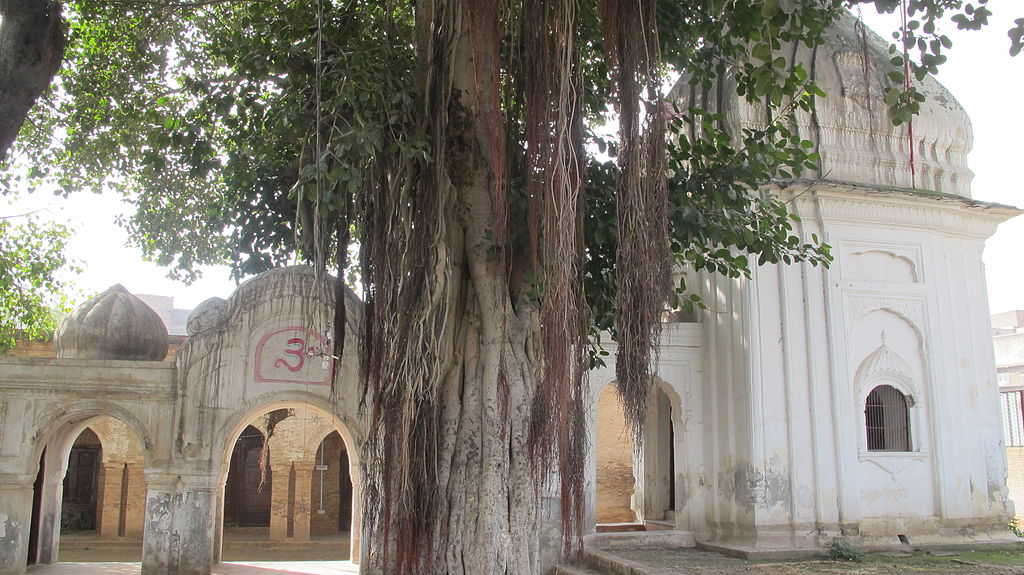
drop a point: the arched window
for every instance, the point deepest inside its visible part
(887, 418)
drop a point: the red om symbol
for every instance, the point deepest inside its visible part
(299, 353)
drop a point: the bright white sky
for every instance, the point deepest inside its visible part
(980, 73)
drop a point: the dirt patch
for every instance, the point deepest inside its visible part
(691, 561)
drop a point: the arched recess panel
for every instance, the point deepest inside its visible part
(880, 266)
(887, 351)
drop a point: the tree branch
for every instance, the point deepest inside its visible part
(31, 50)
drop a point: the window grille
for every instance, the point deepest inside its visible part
(1012, 404)
(887, 418)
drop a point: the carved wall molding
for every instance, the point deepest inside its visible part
(845, 203)
(910, 309)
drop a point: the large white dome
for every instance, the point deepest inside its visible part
(851, 126)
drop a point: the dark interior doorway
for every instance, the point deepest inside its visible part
(82, 484)
(248, 487)
(344, 493)
(37, 507)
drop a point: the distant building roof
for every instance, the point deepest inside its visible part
(174, 318)
(1008, 320)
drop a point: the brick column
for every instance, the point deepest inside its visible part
(280, 473)
(109, 513)
(135, 511)
(303, 500)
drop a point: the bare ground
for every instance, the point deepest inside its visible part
(240, 545)
(687, 561)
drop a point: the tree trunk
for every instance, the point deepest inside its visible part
(31, 50)
(490, 519)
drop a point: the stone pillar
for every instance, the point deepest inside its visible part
(49, 514)
(179, 529)
(303, 501)
(15, 522)
(218, 527)
(280, 473)
(356, 529)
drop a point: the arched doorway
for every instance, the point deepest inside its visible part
(89, 495)
(613, 451)
(82, 484)
(636, 491)
(288, 482)
(659, 461)
(247, 490)
(331, 488)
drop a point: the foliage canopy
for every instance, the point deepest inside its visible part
(32, 297)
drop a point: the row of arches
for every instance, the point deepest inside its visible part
(296, 486)
(286, 476)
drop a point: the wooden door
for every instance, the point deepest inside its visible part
(81, 484)
(246, 498)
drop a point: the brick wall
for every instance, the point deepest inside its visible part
(614, 454)
(328, 522)
(47, 350)
(122, 497)
(1015, 478)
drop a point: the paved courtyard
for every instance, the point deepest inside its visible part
(232, 568)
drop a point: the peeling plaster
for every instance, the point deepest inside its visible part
(763, 488)
(10, 537)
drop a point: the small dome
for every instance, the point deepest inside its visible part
(112, 325)
(208, 315)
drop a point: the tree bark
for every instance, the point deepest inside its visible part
(31, 50)
(490, 520)
(490, 523)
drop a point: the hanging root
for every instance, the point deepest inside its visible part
(554, 137)
(643, 259)
(408, 274)
(270, 421)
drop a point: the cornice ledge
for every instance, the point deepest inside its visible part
(850, 202)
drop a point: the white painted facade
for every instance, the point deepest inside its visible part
(768, 387)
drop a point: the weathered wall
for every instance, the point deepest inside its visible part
(1015, 478)
(613, 452)
(257, 352)
(45, 404)
(907, 280)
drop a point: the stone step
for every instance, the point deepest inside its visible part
(602, 562)
(575, 570)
